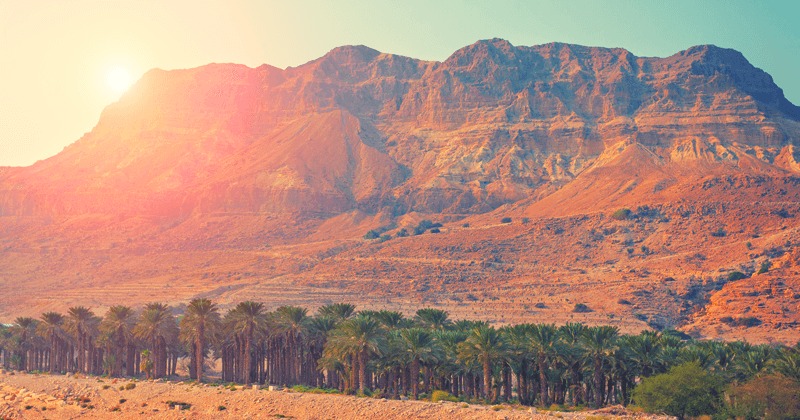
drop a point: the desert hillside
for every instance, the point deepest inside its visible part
(560, 174)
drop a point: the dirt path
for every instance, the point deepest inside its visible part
(66, 397)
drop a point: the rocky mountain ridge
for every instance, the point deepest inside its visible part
(285, 170)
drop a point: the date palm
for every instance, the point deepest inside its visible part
(418, 346)
(52, 328)
(359, 337)
(199, 326)
(546, 345)
(80, 320)
(435, 319)
(340, 311)
(484, 344)
(118, 324)
(600, 342)
(157, 326)
(248, 317)
(25, 328)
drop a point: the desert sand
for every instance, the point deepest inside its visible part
(83, 397)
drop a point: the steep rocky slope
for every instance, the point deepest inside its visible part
(233, 182)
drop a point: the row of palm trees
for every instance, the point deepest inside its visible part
(537, 364)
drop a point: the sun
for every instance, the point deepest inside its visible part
(118, 79)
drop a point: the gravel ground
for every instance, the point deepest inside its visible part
(67, 397)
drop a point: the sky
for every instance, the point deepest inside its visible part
(56, 56)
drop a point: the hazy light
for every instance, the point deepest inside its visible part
(118, 79)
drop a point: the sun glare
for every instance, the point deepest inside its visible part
(118, 79)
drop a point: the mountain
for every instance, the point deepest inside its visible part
(232, 182)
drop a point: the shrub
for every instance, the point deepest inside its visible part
(505, 220)
(122, 400)
(437, 396)
(525, 220)
(385, 237)
(106, 386)
(371, 235)
(782, 213)
(686, 390)
(624, 302)
(465, 225)
(621, 214)
(719, 233)
(497, 407)
(736, 275)
(748, 245)
(130, 386)
(640, 317)
(222, 407)
(580, 307)
(402, 233)
(435, 230)
(767, 397)
(764, 267)
(539, 305)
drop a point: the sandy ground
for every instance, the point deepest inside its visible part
(67, 397)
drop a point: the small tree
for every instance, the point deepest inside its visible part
(686, 390)
(768, 397)
(505, 220)
(146, 365)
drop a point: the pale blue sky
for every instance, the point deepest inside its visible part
(54, 55)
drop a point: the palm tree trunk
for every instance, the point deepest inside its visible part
(487, 377)
(200, 355)
(598, 382)
(362, 368)
(543, 383)
(414, 377)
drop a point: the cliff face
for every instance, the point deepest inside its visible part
(357, 129)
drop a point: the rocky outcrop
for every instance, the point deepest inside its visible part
(358, 129)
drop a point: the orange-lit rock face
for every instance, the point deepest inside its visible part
(225, 157)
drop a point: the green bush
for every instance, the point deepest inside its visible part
(621, 214)
(130, 386)
(686, 390)
(402, 233)
(719, 233)
(371, 235)
(768, 397)
(764, 267)
(736, 275)
(505, 220)
(435, 230)
(437, 396)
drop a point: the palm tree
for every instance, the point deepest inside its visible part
(574, 357)
(24, 327)
(51, 328)
(599, 342)
(199, 326)
(248, 317)
(418, 346)
(435, 319)
(340, 311)
(645, 352)
(359, 337)
(293, 322)
(157, 326)
(545, 345)
(519, 351)
(484, 344)
(391, 320)
(119, 323)
(81, 320)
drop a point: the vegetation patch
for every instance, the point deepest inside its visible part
(621, 214)
(736, 275)
(581, 308)
(749, 321)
